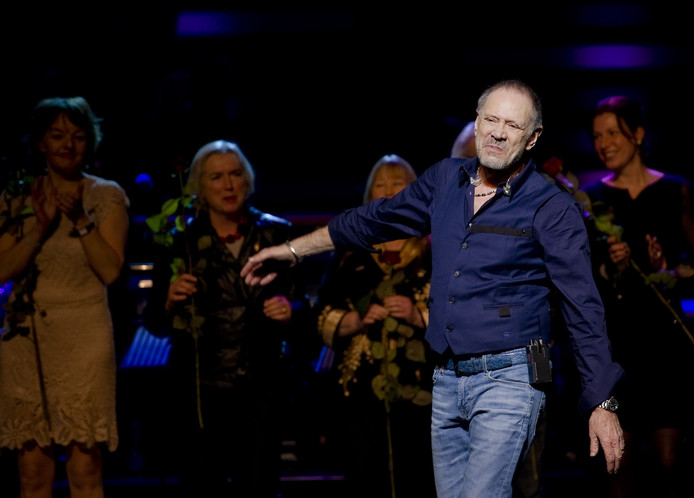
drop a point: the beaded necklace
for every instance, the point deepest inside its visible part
(484, 194)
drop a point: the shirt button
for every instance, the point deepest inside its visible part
(464, 245)
(456, 273)
(451, 300)
(449, 327)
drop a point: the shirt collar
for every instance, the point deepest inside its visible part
(468, 171)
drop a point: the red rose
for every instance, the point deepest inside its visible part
(391, 258)
(553, 166)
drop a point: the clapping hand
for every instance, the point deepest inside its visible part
(70, 203)
(44, 202)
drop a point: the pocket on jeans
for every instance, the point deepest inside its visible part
(515, 374)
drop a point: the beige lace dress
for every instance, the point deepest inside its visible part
(58, 382)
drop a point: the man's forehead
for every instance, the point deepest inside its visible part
(508, 103)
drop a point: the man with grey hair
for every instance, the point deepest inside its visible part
(504, 241)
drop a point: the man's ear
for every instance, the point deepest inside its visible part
(533, 139)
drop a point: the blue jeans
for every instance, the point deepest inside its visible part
(481, 427)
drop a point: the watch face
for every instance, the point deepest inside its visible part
(611, 405)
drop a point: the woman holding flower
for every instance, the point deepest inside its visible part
(227, 336)
(373, 313)
(61, 246)
(643, 249)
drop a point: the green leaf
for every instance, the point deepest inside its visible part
(407, 392)
(200, 266)
(604, 224)
(379, 384)
(204, 242)
(415, 351)
(377, 350)
(405, 330)
(178, 268)
(164, 239)
(363, 304)
(393, 370)
(664, 278)
(187, 201)
(422, 398)
(156, 222)
(170, 207)
(191, 308)
(390, 324)
(179, 323)
(397, 277)
(384, 289)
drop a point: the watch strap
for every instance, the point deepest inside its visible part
(610, 404)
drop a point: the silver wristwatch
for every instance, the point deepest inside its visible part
(610, 404)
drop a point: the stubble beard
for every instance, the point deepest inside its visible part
(501, 164)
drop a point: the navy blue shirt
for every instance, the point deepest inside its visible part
(493, 270)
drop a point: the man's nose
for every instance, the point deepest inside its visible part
(499, 133)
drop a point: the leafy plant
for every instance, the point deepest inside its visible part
(394, 336)
(16, 190)
(396, 339)
(174, 217)
(15, 210)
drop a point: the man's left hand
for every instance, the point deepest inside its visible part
(606, 432)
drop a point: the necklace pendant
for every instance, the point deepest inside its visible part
(477, 180)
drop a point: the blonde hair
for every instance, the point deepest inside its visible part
(197, 167)
(392, 162)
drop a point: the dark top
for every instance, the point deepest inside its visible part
(643, 331)
(355, 281)
(237, 341)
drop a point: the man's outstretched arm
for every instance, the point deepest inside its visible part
(258, 269)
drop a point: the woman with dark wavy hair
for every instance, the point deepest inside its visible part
(62, 245)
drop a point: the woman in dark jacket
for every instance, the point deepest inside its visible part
(227, 337)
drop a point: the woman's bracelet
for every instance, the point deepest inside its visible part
(298, 258)
(81, 232)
